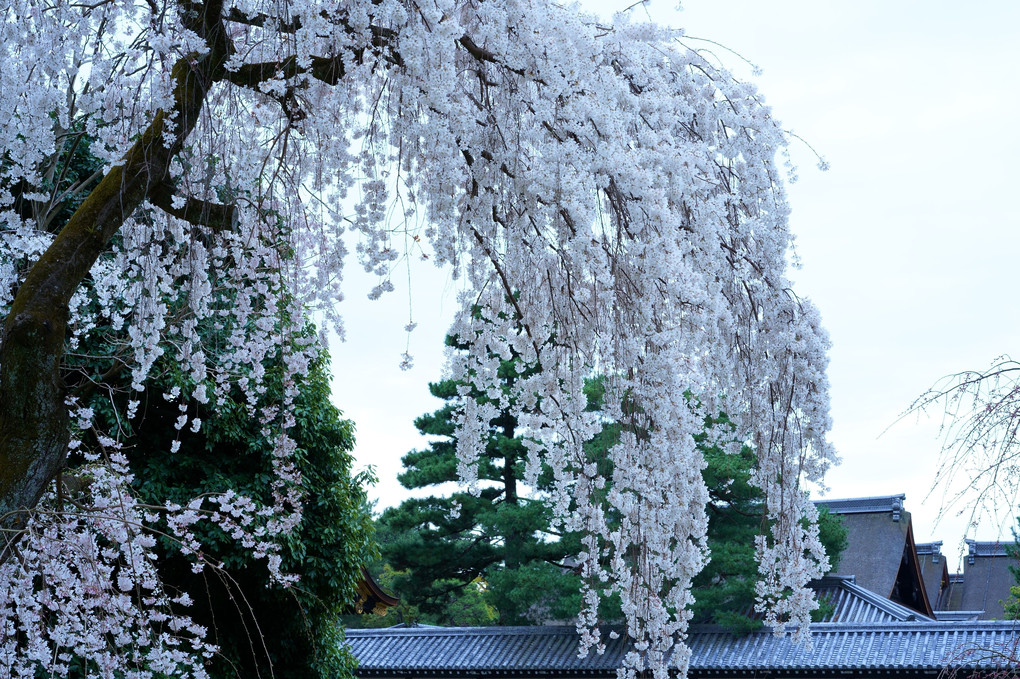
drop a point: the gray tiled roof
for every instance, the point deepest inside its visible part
(837, 648)
(864, 505)
(852, 603)
(993, 548)
(986, 579)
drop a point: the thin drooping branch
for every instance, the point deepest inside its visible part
(980, 433)
(34, 430)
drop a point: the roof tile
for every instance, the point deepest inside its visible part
(836, 647)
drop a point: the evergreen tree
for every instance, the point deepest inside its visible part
(434, 557)
(442, 548)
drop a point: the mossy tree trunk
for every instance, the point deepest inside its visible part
(34, 430)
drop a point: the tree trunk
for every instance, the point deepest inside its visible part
(34, 424)
(515, 540)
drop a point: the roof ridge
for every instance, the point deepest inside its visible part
(988, 547)
(822, 627)
(865, 505)
(897, 496)
(510, 630)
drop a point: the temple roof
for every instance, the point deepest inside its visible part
(935, 573)
(986, 578)
(837, 648)
(880, 548)
(852, 603)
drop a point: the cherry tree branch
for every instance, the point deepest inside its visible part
(34, 427)
(216, 216)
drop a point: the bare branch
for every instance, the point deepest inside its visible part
(980, 432)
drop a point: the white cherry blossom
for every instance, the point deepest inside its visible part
(609, 199)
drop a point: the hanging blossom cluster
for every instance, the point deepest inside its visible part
(83, 585)
(607, 197)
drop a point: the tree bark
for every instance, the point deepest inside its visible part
(34, 423)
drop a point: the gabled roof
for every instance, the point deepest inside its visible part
(853, 603)
(876, 536)
(891, 648)
(880, 548)
(986, 579)
(935, 573)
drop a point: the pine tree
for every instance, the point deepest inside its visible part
(443, 546)
(436, 557)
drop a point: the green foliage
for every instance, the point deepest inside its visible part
(1011, 606)
(66, 181)
(505, 540)
(449, 553)
(724, 590)
(833, 535)
(252, 620)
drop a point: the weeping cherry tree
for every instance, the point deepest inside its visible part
(607, 197)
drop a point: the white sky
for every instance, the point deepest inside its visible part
(909, 243)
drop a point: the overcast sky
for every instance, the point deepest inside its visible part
(909, 243)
